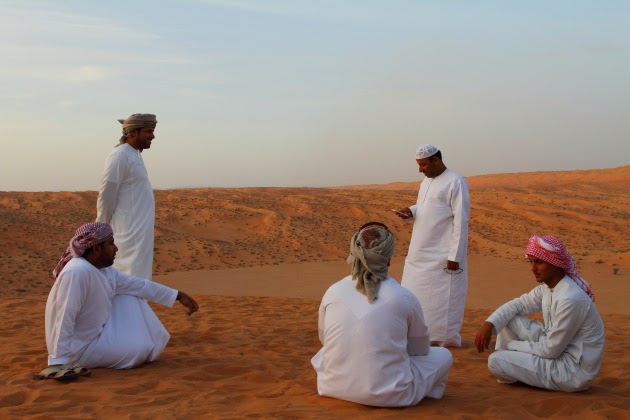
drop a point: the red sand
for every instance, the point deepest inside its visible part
(258, 261)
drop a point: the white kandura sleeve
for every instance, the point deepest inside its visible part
(413, 209)
(568, 317)
(525, 304)
(135, 286)
(460, 206)
(418, 342)
(321, 321)
(116, 167)
(60, 325)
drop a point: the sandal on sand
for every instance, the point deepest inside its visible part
(58, 373)
(82, 371)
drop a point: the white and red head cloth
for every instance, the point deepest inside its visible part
(85, 237)
(551, 250)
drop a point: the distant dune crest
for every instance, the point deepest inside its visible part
(224, 228)
(613, 178)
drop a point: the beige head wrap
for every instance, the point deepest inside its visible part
(371, 248)
(136, 121)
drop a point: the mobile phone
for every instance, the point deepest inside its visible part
(399, 213)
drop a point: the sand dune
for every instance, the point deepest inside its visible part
(218, 228)
(611, 178)
(259, 259)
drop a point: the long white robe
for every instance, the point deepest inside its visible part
(440, 233)
(126, 201)
(377, 354)
(98, 318)
(564, 354)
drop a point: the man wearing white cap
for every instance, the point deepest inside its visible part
(436, 269)
(125, 198)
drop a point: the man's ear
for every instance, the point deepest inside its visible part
(97, 249)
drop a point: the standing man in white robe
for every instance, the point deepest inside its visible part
(125, 198)
(96, 315)
(565, 353)
(375, 342)
(436, 268)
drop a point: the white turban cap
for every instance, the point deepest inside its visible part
(426, 151)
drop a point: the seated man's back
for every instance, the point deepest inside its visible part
(377, 353)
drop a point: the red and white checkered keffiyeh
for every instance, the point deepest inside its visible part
(86, 236)
(551, 250)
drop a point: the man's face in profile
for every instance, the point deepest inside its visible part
(428, 166)
(107, 253)
(142, 138)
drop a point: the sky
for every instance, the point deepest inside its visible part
(294, 93)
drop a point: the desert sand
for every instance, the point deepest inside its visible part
(258, 261)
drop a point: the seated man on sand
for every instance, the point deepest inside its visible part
(375, 341)
(93, 315)
(565, 353)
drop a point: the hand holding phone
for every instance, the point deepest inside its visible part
(401, 214)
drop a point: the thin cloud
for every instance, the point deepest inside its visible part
(276, 7)
(603, 47)
(18, 24)
(331, 10)
(17, 96)
(47, 44)
(196, 92)
(89, 73)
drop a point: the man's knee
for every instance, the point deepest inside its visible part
(444, 356)
(496, 362)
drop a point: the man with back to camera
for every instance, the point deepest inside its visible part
(375, 344)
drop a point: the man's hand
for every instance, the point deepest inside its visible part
(483, 337)
(452, 265)
(404, 213)
(188, 302)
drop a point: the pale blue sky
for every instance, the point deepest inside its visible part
(311, 93)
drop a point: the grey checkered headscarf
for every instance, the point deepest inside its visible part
(371, 249)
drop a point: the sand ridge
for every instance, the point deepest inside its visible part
(221, 228)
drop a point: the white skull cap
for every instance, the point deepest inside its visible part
(426, 151)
